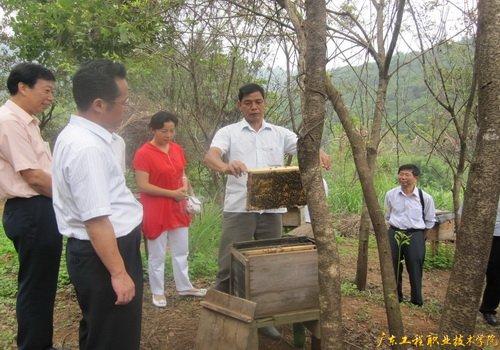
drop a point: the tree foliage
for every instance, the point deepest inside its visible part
(62, 33)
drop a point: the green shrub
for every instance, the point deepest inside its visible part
(442, 260)
(204, 237)
(349, 288)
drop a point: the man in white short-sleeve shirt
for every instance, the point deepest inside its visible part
(98, 213)
(249, 143)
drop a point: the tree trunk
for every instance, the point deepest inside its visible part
(376, 212)
(483, 188)
(371, 156)
(364, 236)
(308, 149)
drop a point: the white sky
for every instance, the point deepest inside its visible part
(442, 22)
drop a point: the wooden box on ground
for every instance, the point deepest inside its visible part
(293, 217)
(444, 229)
(279, 275)
(270, 188)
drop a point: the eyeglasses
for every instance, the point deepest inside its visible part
(124, 103)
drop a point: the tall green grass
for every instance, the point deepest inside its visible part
(8, 269)
(346, 196)
(204, 237)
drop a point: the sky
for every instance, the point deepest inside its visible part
(440, 22)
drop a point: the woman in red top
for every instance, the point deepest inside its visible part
(159, 170)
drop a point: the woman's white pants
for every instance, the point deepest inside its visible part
(177, 241)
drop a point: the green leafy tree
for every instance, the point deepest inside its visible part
(63, 33)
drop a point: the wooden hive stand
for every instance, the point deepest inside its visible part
(281, 277)
(227, 323)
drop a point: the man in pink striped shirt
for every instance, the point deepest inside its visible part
(28, 218)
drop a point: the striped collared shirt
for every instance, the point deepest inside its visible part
(88, 181)
(21, 148)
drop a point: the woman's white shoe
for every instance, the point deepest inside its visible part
(159, 300)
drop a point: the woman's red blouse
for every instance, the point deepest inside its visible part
(165, 170)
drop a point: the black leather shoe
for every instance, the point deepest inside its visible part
(490, 319)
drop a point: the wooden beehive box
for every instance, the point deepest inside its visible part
(445, 228)
(277, 187)
(280, 275)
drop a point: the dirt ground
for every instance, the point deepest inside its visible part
(364, 318)
(174, 327)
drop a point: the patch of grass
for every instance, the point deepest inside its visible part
(362, 315)
(432, 307)
(349, 289)
(204, 237)
(8, 289)
(8, 269)
(63, 279)
(442, 260)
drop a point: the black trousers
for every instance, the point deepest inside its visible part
(491, 296)
(413, 255)
(104, 325)
(30, 224)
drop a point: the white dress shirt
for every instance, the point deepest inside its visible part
(119, 149)
(257, 149)
(405, 211)
(88, 181)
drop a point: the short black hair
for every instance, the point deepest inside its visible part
(97, 79)
(160, 118)
(250, 89)
(27, 73)
(411, 167)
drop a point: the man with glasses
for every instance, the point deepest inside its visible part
(98, 213)
(28, 217)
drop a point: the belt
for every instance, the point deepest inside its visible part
(408, 230)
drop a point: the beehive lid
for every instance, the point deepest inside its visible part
(277, 245)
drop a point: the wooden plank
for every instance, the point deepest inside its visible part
(276, 250)
(275, 169)
(240, 246)
(238, 278)
(221, 330)
(444, 231)
(284, 282)
(302, 230)
(292, 218)
(274, 188)
(285, 270)
(288, 318)
(226, 312)
(236, 254)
